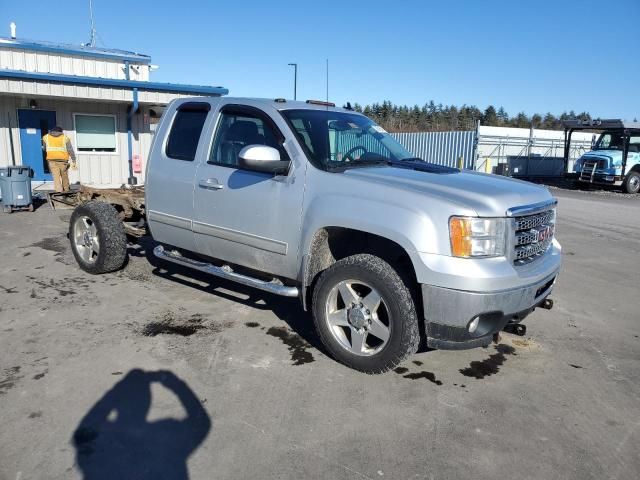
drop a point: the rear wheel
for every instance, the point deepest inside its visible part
(97, 236)
(365, 315)
(632, 183)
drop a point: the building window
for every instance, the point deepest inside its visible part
(95, 133)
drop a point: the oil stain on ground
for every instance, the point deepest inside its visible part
(489, 366)
(426, 375)
(418, 375)
(298, 348)
(252, 324)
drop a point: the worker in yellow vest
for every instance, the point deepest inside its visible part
(60, 156)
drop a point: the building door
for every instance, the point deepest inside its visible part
(34, 124)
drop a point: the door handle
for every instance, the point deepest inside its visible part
(211, 183)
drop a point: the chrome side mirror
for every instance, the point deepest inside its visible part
(261, 158)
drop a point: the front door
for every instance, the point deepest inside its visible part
(34, 124)
(244, 217)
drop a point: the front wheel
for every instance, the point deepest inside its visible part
(97, 236)
(632, 183)
(364, 314)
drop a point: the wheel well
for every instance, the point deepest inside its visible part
(331, 244)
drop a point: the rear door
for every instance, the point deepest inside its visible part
(171, 173)
(244, 217)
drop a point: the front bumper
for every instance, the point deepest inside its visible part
(449, 312)
(601, 178)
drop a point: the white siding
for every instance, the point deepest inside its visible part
(93, 168)
(87, 92)
(66, 64)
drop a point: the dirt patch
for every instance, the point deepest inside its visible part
(11, 376)
(53, 244)
(37, 414)
(8, 290)
(152, 329)
(298, 347)
(170, 323)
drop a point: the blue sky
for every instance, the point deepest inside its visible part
(533, 56)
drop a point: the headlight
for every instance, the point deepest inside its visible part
(477, 237)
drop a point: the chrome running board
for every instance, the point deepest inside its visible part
(227, 273)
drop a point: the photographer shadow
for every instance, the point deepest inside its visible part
(115, 440)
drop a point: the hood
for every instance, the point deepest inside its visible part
(55, 134)
(613, 157)
(488, 195)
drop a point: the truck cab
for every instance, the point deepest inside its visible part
(615, 157)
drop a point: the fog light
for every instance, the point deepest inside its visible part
(474, 324)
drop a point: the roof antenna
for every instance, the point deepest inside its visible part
(93, 33)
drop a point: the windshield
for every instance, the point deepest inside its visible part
(343, 140)
(610, 141)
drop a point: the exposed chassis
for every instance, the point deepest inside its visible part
(129, 201)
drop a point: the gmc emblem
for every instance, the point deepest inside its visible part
(545, 233)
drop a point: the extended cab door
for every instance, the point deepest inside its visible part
(171, 173)
(244, 217)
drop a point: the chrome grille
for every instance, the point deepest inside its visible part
(533, 236)
(588, 169)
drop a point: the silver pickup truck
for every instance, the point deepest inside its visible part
(306, 200)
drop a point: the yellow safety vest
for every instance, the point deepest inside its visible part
(56, 147)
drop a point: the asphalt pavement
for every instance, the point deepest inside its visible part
(156, 372)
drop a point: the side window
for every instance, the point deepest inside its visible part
(605, 141)
(238, 129)
(634, 143)
(186, 130)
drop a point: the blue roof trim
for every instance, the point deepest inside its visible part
(105, 53)
(110, 82)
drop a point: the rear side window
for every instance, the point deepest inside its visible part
(186, 130)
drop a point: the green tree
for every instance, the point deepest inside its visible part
(490, 116)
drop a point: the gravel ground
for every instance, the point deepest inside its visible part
(163, 373)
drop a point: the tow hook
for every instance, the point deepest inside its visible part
(516, 328)
(547, 304)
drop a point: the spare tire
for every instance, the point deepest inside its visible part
(97, 236)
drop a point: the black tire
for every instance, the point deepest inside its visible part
(404, 336)
(632, 183)
(112, 240)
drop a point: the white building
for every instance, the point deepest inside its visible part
(102, 98)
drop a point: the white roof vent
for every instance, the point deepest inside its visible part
(12, 27)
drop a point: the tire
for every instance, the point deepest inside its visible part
(97, 237)
(632, 183)
(338, 327)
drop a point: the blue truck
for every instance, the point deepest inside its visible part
(615, 156)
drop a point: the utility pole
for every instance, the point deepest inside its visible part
(295, 80)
